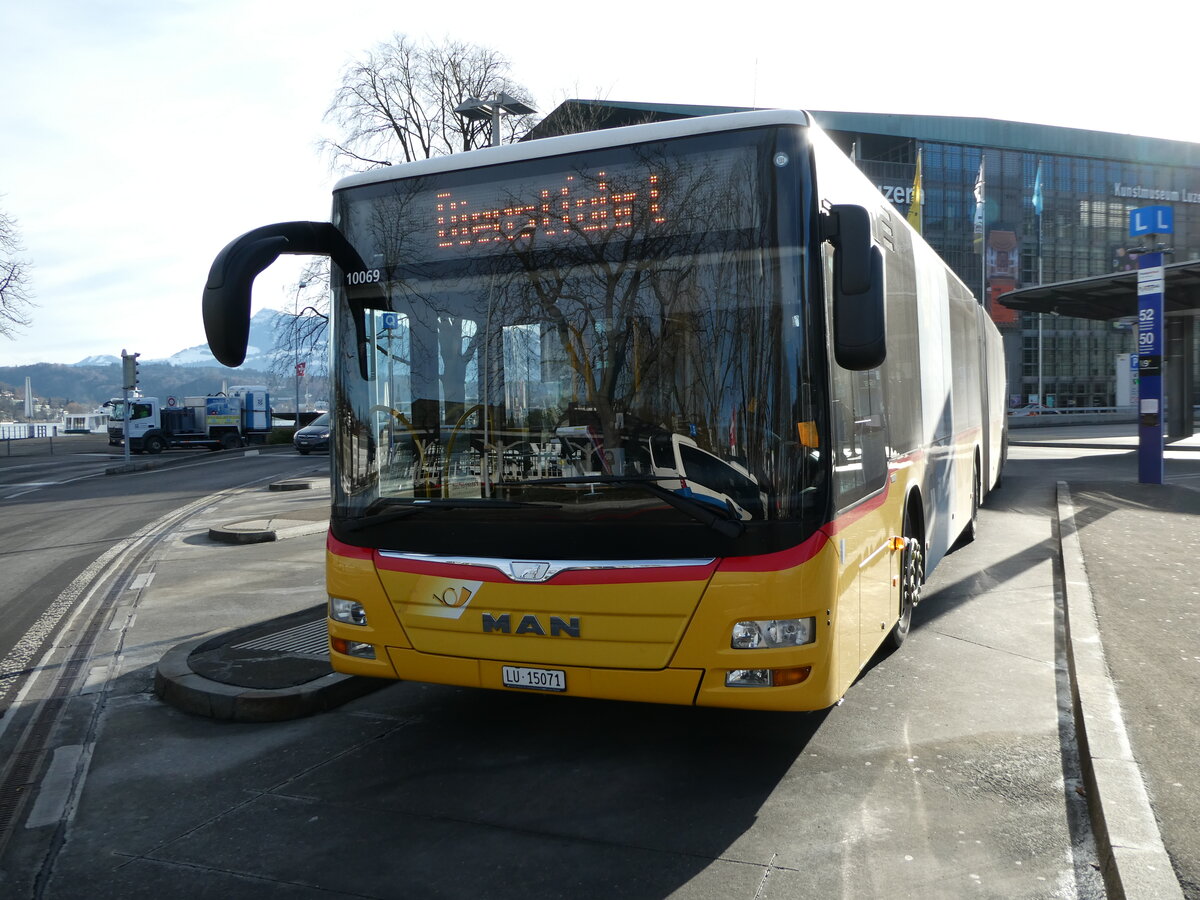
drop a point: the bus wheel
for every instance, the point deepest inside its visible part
(912, 575)
(968, 533)
(1003, 460)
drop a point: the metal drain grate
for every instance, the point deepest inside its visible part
(309, 639)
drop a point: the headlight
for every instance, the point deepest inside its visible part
(771, 633)
(350, 612)
(739, 678)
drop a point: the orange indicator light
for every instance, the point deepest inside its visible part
(782, 677)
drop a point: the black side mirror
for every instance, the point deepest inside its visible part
(859, 318)
(227, 292)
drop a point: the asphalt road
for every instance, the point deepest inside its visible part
(61, 514)
(948, 771)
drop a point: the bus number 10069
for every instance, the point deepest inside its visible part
(366, 276)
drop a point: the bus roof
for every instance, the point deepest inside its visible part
(574, 143)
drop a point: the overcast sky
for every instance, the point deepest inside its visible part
(138, 137)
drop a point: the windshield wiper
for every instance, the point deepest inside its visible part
(723, 520)
(411, 507)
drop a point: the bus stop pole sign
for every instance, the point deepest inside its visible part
(1149, 355)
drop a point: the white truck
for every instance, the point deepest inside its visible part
(218, 421)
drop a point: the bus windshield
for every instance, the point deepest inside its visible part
(618, 338)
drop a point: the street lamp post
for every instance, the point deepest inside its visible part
(485, 110)
(300, 366)
(299, 375)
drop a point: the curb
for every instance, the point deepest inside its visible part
(291, 484)
(175, 683)
(1133, 860)
(254, 532)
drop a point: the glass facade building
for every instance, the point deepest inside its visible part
(1090, 182)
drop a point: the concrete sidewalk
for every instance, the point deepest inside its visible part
(1133, 608)
(277, 667)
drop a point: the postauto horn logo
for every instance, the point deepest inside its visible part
(443, 597)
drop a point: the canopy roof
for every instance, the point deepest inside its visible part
(1109, 296)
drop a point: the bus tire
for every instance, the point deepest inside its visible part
(1003, 460)
(969, 532)
(912, 577)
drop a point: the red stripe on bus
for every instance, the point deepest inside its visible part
(775, 562)
(635, 576)
(802, 553)
(337, 548)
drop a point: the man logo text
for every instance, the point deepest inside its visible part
(530, 624)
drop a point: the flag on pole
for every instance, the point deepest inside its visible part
(1037, 190)
(979, 190)
(914, 206)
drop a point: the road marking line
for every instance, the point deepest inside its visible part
(27, 488)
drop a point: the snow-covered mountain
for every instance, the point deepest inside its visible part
(260, 352)
(191, 372)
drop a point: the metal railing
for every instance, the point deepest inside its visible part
(14, 431)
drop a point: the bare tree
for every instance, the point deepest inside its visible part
(15, 294)
(300, 331)
(396, 103)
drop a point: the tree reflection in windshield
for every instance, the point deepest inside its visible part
(627, 320)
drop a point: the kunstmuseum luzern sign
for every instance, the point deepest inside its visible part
(1140, 192)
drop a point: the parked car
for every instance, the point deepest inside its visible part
(314, 436)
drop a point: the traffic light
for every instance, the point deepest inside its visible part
(129, 370)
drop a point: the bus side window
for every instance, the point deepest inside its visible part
(859, 435)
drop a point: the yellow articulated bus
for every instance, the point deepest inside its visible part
(682, 412)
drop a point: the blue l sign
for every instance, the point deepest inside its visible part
(1151, 220)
